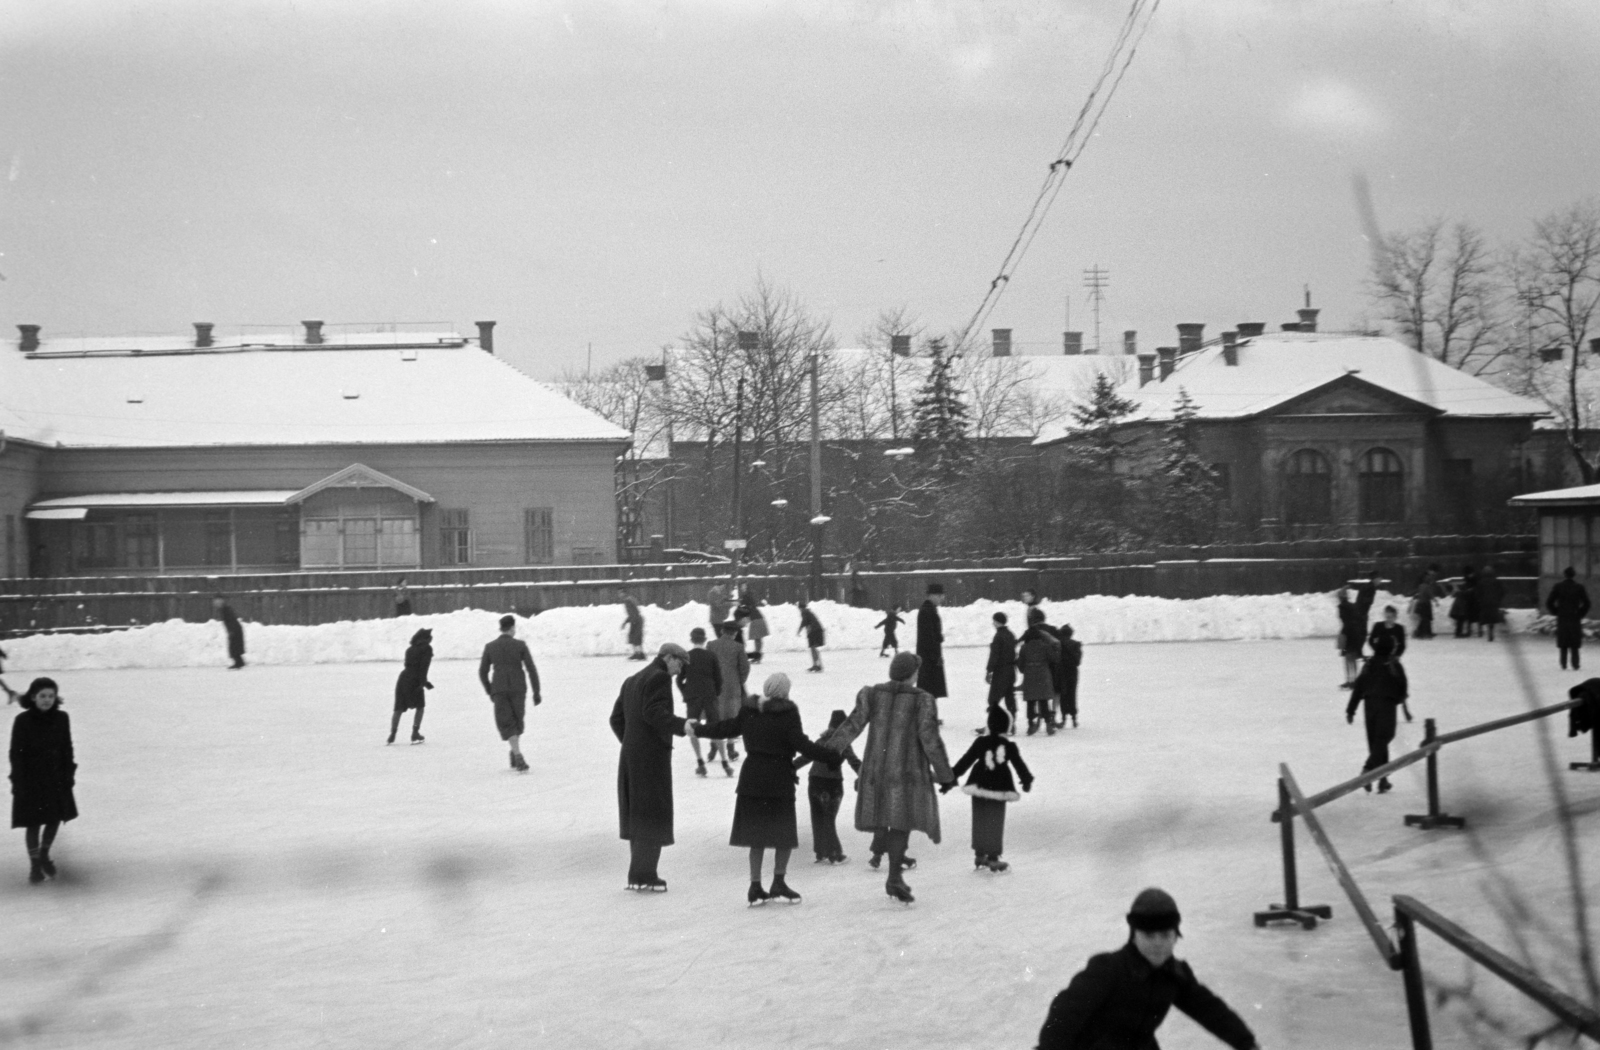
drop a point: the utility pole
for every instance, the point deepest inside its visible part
(738, 468)
(817, 522)
(1096, 280)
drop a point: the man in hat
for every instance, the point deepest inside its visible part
(500, 673)
(1569, 604)
(645, 725)
(930, 643)
(1120, 998)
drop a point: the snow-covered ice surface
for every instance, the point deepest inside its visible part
(253, 868)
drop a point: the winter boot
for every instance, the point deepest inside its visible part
(781, 891)
(35, 869)
(1384, 786)
(1033, 726)
(699, 768)
(416, 737)
(757, 896)
(727, 768)
(390, 740)
(997, 865)
(875, 861)
(980, 861)
(897, 889)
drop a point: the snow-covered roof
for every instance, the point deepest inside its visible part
(1578, 496)
(220, 498)
(355, 388)
(1277, 368)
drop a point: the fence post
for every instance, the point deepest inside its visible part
(1290, 910)
(1433, 818)
(1593, 765)
(1411, 973)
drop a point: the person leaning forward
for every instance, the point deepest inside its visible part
(501, 672)
(644, 724)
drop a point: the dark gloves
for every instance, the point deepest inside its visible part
(1028, 786)
(537, 699)
(428, 685)
(947, 787)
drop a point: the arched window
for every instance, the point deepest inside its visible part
(1308, 489)
(1382, 485)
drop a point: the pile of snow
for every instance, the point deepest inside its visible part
(598, 630)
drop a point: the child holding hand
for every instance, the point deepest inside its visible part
(991, 759)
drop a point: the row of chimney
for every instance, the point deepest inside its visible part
(28, 340)
(1190, 338)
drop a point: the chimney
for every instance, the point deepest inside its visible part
(202, 333)
(1290, 326)
(485, 336)
(1230, 349)
(30, 338)
(900, 345)
(1002, 341)
(1147, 368)
(1251, 329)
(313, 332)
(1072, 343)
(1190, 336)
(1130, 342)
(1308, 319)
(1167, 356)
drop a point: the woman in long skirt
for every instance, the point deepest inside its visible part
(410, 689)
(763, 816)
(755, 625)
(43, 773)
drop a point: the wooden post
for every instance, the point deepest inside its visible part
(1434, 818)
(1290, 910)
(1593, 765)
(1411, 972)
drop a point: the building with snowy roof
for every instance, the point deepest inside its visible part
(309, 448)
(1323, 433)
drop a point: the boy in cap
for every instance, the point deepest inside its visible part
(1120, 998)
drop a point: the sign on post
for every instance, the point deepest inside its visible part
(733, 545)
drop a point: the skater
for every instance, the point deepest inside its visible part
(1038, 657)
(1491, 595)
(644, 725)
(1383, 689)
(750, 619)
(717, 605)
(1464, 603)
(700, 682)
(763, 816)
(1568, 603)
(1352, 636)
(826, 794)
(402, 598)
(1388, 638)
(1366, 596)
(1120, 998)
(891, 620)
(811, 627)
(734, 664)
(11, 694)
(1422, 603)
(930, 644)
(1053, 715)
(1001, 671)
(410, 689)
(43, 772)
(634, 621)
(506, 657)
(1071, 660)
(903, 760)
(991, 759)
(230, 623)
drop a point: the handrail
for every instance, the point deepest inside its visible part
(1509, 720)
(1570, 1011)
(1358, 900)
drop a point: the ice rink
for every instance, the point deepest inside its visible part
(254, 868)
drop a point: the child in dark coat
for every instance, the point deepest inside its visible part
(991, 759)
(826, 792)
(891, 620)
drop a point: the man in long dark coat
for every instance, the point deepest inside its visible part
(930, 643)
(1382, 687)
(1568, 603)
(231, 624)
(645, 725)
(1001, 672)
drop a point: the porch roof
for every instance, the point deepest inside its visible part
(1577, 496)
(75, 507)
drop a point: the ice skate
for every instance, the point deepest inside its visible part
(416, 737)
(782, 891)
(980, 861)
(513, 757)
(47, 865)
(35, 869)
(908, 862)
(1049, 729)
(733, 753)
(1074, 721)
(699, 768)
(838, 858)
(996, 865)
(875, 861)
(899, 891)
(1033, 726)
(727, 767)
(519, 763)
(390, 740)
(656, 885)
(1384, 787)
(757, 896)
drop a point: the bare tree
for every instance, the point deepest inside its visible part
(625, 395)
(1438, 288)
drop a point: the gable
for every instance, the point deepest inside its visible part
(1350, 395)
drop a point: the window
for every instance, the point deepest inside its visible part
(319, 542)
(219, 541)
(1382, 487)
(1222, 473)
(539, 539)
(588, 556)
(397, 541)
(360, 541)
(455, 538)
(1308, 489)
(1564, 541)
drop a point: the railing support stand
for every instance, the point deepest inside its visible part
(1291, 909)
(1434, 818)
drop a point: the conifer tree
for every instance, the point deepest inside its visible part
(1188, 495)
(939, 419)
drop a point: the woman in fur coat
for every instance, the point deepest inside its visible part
(991, 759)
(1038, 658)
(410, 689)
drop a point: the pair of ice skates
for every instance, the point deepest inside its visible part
(989, 862)
(780, 891)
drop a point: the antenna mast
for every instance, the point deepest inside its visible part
(1097, 281)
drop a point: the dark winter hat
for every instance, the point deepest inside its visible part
(1569, 572)
(935, 588)
(1035, 615)
(422, 636)
(903, 666)
(836, 719)
(674, 650)
(697, 635)
(35, 688)
(999, 720)
(507, 622)
(1154, 910)
(1000, 618)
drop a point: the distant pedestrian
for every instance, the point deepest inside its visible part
(1422, 603)
(1464, 602)
(763, 816)
(1365, 597)
(410, 689)
(1352, 637)
(1120, 998)
(734, 664)
(825, 792)
(1569, 604)
(1382, 688)
(858, 590)
(43, 772)
(1071, 660)
(1038, 658)
(402, 598)
(930, 644)
(11, 694)
(752, 621)
(644, 724)
(1001, 670)
(718, 605)
(633, 620)
(700, 682)
(891, 620)
(992, 758)
(1491, 598)
(231, 624)
(811, 627)
(501, 673)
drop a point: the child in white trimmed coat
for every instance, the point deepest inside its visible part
(991, 759)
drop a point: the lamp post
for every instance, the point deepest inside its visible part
(818, 519)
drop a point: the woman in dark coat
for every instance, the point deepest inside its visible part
(811, 627)
(930, 644)
(43, 772)
(750, 619)
(1352, 635)
(634, 621)
(235, 630)
(1464, 605)
(1569, 604)
(763, 817)
(410, 689)
(644, 724)
(1038, 658)
(1491, 594)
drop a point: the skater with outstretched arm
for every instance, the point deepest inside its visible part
(644, 724)
(902, 762)
(410, 689)
(991, 758)
(43, 772)
(1569, 604)
(1120, 998)
(891, 620)
(501, 674)
(1382, 688)
(700, 682)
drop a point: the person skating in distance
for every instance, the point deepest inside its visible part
(891, 620)
(1120, 998)
(11, 694)
(1382, 687)
(1352, 636)
(811, 627)
(1001, 670)
(234, 629)
(410, 689)
(826, 794)
(500, 673)
(633, 620)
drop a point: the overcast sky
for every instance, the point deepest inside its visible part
(594, 173)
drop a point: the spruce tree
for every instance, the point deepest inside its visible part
(939, 419)
(1188, 495)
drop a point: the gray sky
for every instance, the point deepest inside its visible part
(595, 173)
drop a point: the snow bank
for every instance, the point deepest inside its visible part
(598, 631)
